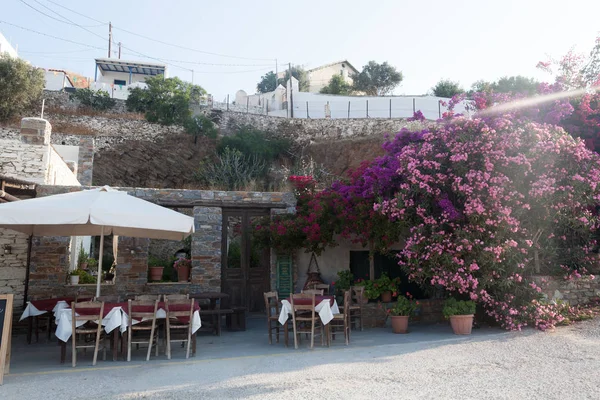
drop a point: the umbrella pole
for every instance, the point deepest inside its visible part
(99, 277)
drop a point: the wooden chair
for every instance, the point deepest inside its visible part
(147, 324)
(147, 297)
(172, 323)
(305, 314)
(108, 299)
(321, 286)
(341, 321)
(272, 307)
(316, 292)
(355, 306)
(93, 325)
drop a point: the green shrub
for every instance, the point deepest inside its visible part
(254, 142)
(458, 307)
(21, 86)
(201, 125)
(232, 170)
(404, 307)
(98, 100)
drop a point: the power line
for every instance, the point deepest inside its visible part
(54, 52)
(165, 43)
(53, 37)
(49, 16)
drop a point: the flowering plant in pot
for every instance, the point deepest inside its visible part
(387, 287)
(183, 267)
(460, 313)
(400, 312)
(155, 266)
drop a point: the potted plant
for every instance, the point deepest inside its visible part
(74, 277)
(400, 312)
(183, 267)
(460, 313)
(92, 264)
(371, 291)
(342, 284)
(156, 266)
(387, 287)
(82, 259)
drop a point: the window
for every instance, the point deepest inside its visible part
(120, 82)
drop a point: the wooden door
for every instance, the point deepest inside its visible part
(245, 269)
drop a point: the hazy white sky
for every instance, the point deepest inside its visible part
(426, 40)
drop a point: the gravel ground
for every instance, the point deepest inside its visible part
(564, 364)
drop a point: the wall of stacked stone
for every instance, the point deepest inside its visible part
(63, 101)
(13, 265)
(576, 291)
(23, 161)
(50, 256)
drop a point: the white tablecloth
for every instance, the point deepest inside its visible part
(31, 311)
(116, 318)
(324, 309)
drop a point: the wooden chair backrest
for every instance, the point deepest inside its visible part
(99, 305)
(147, 297)
(270, 298)
(357, 293)
(108, 299)
(139, 315)
(177, 297)
(347, 297)
(302, 307)
(182, 303)
(322, 286)
(316, 292)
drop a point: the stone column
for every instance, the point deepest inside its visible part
(206, 248)
(35, 131)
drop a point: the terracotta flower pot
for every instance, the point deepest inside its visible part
(399, 323)
(461, 324)
(183, 273)
(156, 274)
(386, 297)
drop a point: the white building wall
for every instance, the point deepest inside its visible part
(319, 78)
(110, 76)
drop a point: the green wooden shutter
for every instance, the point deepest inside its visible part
(285, 276)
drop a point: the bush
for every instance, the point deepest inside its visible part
(165, 101)
(21, 87)
(201, 125)
(254, 142)
(458, 307)
(404, 307)
(232, 170)
(96, 100)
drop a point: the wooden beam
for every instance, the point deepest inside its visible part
(8, 197)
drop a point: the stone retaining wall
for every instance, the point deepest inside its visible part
(577, 291)
(63, 101)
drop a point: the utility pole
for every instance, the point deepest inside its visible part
(291, 93)
(109, 38)
(119, 50)
(276, 75)
(192, 76)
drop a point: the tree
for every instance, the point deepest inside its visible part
(447, 88)
(377, 79)
(21, 86)
(516, 84)
(481, 86)
(166, 101)
(97, 100)
(337, 85)
(269, 81)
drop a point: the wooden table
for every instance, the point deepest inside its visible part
(216, 310)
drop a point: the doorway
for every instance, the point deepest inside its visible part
(245, 269)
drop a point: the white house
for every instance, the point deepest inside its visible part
(116, 76)
(319, 77)
(6, 47)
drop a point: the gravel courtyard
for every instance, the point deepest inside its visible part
(564, 364)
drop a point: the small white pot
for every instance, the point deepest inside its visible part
(74, 279)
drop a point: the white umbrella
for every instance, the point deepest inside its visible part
(102, 211)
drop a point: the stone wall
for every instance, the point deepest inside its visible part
(58, 172)
(23, 161)
(50, 256)
(13, 266)
(63, 101)
(576, 291)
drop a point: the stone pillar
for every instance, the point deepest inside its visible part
(206, 248)
(85, 168)
(35, 131)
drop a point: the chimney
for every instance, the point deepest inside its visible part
(35, 131)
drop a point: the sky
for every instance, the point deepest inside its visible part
(428, 40)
